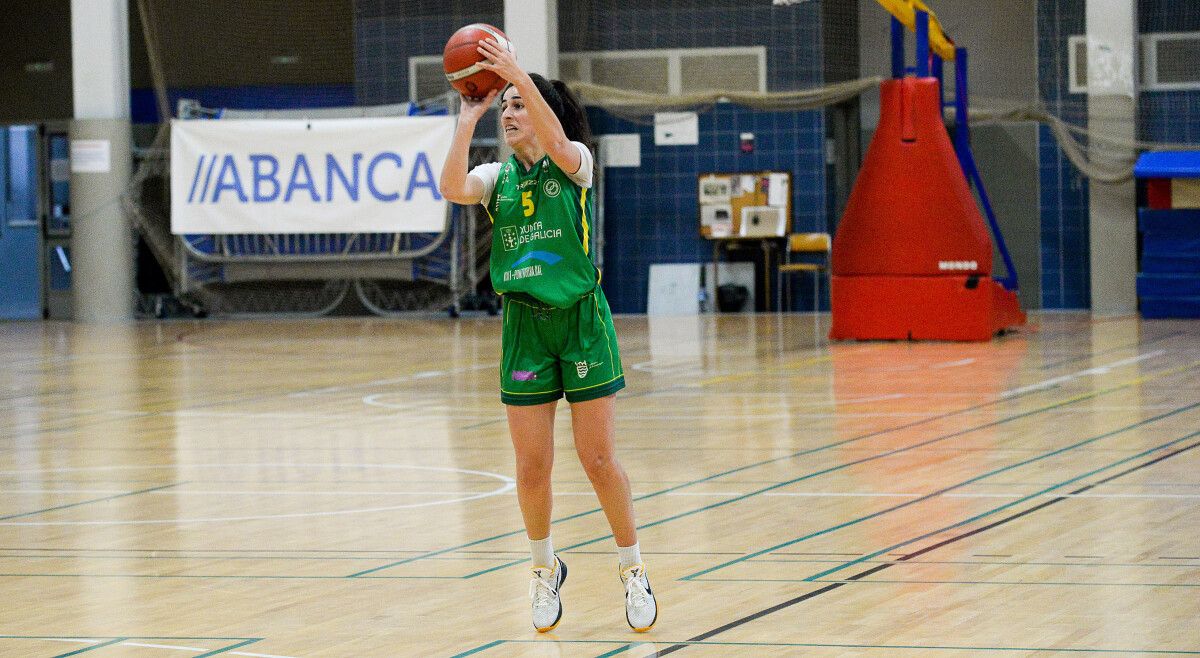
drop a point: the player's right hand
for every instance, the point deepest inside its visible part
(474, 108)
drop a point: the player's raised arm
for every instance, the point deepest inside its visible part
(455, 184)
(546, 126)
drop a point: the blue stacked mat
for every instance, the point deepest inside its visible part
(1168, 284)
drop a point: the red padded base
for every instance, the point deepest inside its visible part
(921, 308)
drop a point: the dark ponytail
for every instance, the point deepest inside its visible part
(566, 107)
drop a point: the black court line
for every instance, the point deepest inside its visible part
(89, 502)
(684, 484)
(836, 444)
(1118, 348)
(863, 574)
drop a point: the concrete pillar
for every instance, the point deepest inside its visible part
(1112, 109)
(101, 238)
(532, 25)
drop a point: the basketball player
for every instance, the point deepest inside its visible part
(558, 335)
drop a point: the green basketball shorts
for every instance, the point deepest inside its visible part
(550, 351)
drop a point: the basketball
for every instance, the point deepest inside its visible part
(461, 60)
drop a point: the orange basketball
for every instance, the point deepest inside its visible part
(461, 60)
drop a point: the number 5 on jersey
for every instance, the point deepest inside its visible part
(527, 202)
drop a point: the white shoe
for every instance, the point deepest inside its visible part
(543, 594)
(641, 611)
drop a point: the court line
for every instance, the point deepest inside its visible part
(227, 649)
(839, 467)
(416, 376)
(1061, 403)
(1097, 370)
(94, 645)
(815, 645)
(1093, 355)
(983, 563)
(943, 582)
(952, 487)
(927, 549)
(682, 485)
(89, 502)
(1035, 508)
(212, 576)
(507, 484)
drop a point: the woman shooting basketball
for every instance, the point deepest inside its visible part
(558, 335)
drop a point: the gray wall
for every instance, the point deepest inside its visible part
(1000, 35)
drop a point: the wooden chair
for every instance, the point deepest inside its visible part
(806, 244)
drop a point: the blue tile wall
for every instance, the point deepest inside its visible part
(388, 32)
(1169, 116)
(651, 213)
(1163, 117)
(1066, 274)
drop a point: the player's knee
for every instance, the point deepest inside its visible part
(534, 468)
(596, 463)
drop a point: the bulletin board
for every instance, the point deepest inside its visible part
(747, 205)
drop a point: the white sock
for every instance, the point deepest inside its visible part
(630, 555)
(542, 551)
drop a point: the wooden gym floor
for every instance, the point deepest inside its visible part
(344, 488)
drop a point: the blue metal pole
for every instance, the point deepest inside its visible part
(962, 146)
(962, 135)
(922, 44)
(897, 48)
(939, 72)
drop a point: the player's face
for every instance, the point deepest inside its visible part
(513, 118)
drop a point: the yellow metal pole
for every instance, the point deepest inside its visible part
(905, 11)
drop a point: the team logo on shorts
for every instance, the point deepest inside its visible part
(551, 188)
(582, 367)
(524, 376)
(508, 235)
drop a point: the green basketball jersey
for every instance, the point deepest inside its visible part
(541, 233)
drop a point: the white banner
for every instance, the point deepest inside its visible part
(309, 176)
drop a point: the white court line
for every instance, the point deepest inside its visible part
(953, 364)
(396, 380)
(1098, 370)
(286, 415)
(162, 646)
(507, 484)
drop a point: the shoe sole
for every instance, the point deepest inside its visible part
(645, 628)
(562, 579)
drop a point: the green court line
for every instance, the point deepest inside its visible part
(817, 645)
(831, 469)
(279, 558)
(1007, 505)
(228, 648)
(89, 502)
(828, 446)
(910, 563)
(482, 647)
(941, 582)
(213, 577)
(89, 648)
(939, 492)
(131, 637)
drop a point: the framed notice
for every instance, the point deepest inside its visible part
(761, 200)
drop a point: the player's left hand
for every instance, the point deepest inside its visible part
(500, 61)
